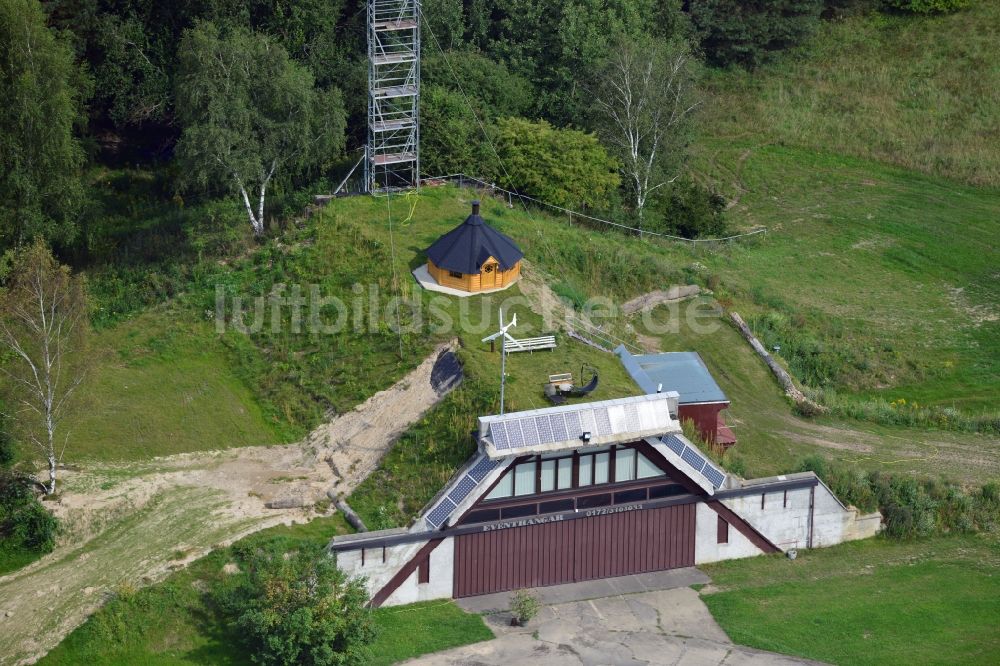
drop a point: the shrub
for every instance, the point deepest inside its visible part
(296, 607)
(911, 507)
(690, 210)
(930, 6)
(523, 607)
(25, 525)
(7, 451)
(563, 167)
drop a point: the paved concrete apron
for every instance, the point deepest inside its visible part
(660, 627)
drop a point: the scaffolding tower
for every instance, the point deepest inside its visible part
(392, 154)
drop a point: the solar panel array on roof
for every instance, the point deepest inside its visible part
(695, 459)
(674, 444)
(609, 421)
(482, 468)
(462, 489)
(440, 513)
(459, 490)
(715, 477)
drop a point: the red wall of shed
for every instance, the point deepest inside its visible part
(705, 417)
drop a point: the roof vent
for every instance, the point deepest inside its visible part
(475, 207)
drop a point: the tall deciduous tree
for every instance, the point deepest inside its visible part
(564, 167)
(251, 114)
(645, 97)
(40, 160)
(43, 327)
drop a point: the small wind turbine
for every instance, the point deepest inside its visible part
(504, 337)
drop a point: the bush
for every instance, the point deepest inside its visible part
(25, 525)
(690, 210)
(523, 607)
(7, 450)
(911, 507)
(296, 607)
(930, 6)
(562, 167)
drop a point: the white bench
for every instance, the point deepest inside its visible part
(531, 344)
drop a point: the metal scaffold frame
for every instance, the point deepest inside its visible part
(392, 153)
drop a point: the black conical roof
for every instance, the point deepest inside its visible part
(467, 246)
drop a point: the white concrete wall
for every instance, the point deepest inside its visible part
(440, 585)
(377, 573)
(706, 545)
(784, 523)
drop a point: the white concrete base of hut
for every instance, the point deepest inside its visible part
(424, 279)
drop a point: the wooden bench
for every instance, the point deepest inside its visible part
(531, 344)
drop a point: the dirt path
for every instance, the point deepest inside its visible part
(136, 523)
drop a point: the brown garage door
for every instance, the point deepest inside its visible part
(562, 552)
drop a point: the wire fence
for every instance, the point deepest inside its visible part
(464, 180)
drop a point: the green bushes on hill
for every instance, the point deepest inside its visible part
(910, 507)
(929, 6)
(296, 607)
(27, 529)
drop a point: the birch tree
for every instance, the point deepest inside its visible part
(645, 97)
(42, 328)
(250, 114)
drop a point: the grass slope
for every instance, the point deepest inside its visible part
(174, 623)
(872, 279)
(773, 440)
(932, 601)
(164, 384)
(917, 91)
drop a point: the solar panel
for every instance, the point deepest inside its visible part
(693, 458)
(674, 444)
(462, 489)
(499, 433)
(514, 435)
(587, 422)
(603, 421)
(544, 427)
(716, 477)
(573, 428)
(482, 468)
(440, 513)
(632, 418)
(558, 424)
(529, 431)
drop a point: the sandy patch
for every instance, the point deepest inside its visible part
(171, 510)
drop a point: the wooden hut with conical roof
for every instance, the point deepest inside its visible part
(474, 257)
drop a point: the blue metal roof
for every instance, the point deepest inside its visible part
(683, 372)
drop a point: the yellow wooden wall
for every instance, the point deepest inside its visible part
(473, 282)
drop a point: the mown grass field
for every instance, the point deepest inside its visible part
(930, 601)
(174, 622)
(164, 384)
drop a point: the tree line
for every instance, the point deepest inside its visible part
(240, 95)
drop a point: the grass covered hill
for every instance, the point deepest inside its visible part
(918, 91)
(868, 279)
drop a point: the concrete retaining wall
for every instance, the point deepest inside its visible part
(377, 573)
(784, 520)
